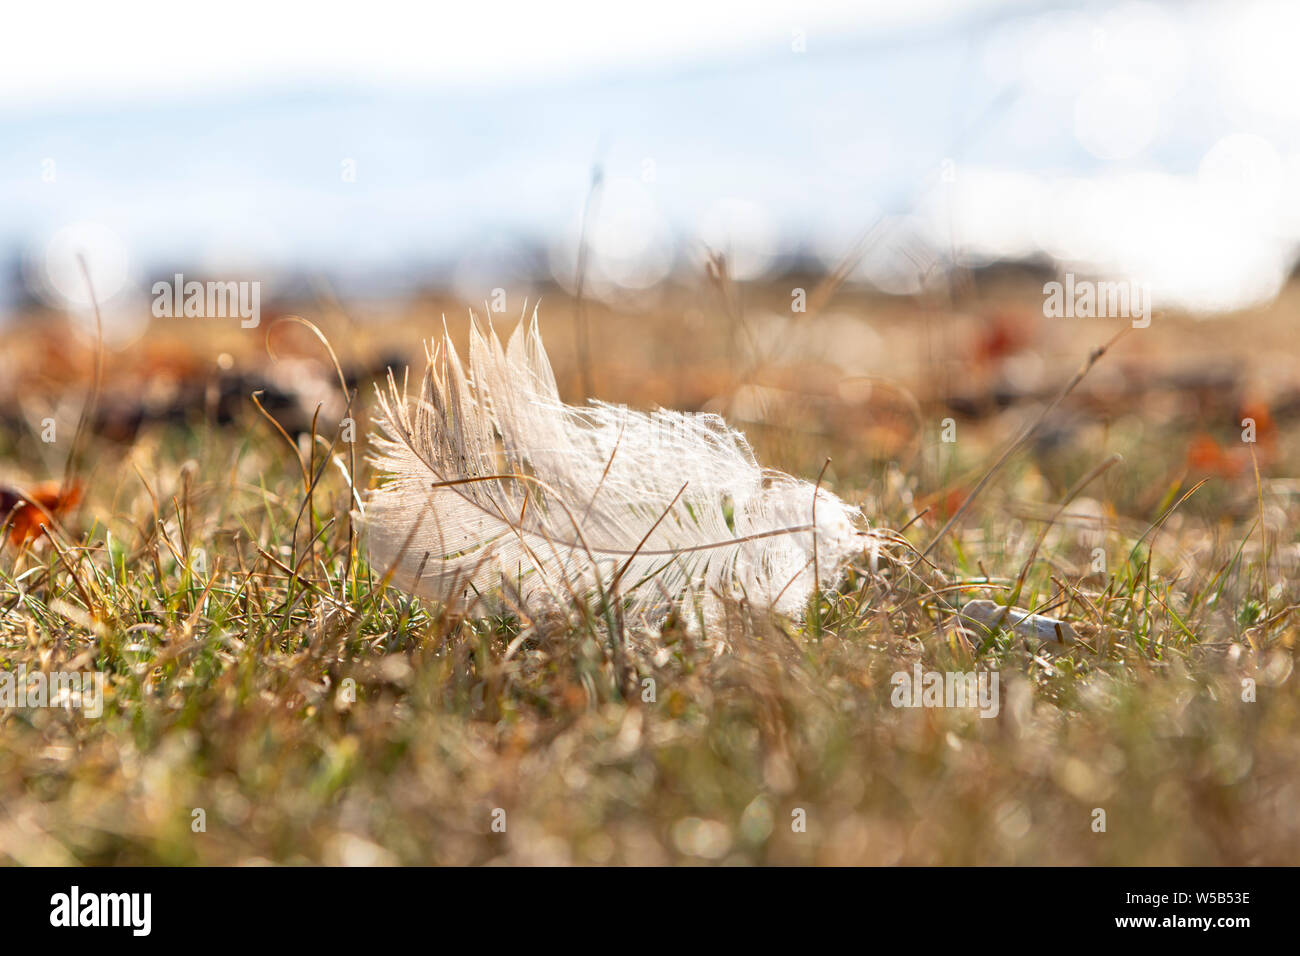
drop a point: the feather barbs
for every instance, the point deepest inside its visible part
(492, 484)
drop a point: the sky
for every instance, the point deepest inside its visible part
(78, 51)
(386, 144)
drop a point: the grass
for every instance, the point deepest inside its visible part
(257, 671)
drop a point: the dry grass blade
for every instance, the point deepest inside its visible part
(1024, 436)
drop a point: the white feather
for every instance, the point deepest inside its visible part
(493, 485)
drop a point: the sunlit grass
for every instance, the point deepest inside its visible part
(258, 671)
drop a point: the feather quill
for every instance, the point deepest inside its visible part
(494, 487)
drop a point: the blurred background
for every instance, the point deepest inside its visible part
(392, 147)
(832, 222)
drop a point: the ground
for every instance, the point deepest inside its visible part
(267, 699)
